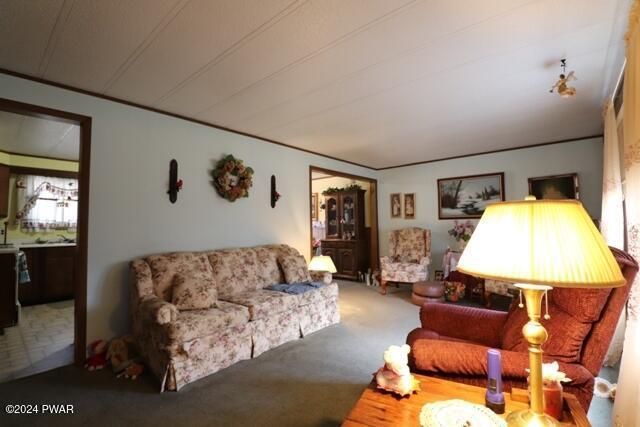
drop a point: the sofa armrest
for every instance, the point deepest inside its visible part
(321, 276)
(153, 309)
(458, 358)
(425, 261)
(466, 323)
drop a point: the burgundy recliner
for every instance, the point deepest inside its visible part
(453, 340)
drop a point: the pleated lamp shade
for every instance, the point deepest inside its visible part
(322, 263)
(543, 242)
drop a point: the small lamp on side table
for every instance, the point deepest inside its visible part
(538, 244)
(323, 263)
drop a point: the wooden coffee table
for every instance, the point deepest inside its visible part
(379, 408)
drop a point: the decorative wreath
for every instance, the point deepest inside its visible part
(232, 178)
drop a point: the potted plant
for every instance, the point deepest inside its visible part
(454, 291)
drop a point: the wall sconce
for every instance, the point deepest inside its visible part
(175, 184)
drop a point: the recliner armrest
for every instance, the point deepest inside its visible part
(458, 358)
(467, 323)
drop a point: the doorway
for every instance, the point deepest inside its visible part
(343, 221)
(44, 206)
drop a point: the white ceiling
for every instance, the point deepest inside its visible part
(38, 137)
(377, 82)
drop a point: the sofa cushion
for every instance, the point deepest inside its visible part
(264, 303)
(235, 271)
(192, 291)
(566, 334)
(317, 295)
(192, 324)
(294, 268)
(164, 268)
(267, 257)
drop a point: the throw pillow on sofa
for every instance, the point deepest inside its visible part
(294, 268)
(192, 291)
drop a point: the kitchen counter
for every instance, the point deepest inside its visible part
(43, 245)
(10, 250)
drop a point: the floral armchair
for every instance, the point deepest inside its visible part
(409, 257)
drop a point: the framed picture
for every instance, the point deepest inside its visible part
(396, 205)
(409, 205)
(555, 187)
(438, 276)
(465, 197)
(314, 206)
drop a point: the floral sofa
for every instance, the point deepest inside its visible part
(244, 319)
(409, 257)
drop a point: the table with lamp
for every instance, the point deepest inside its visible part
(551, 243)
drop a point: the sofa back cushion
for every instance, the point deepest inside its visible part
(164, 268)
(193, 290)
(294, 268)
(409, 244)
(268, 264)
(235, 271)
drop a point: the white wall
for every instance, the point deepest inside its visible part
(583, 157)
(130, 213)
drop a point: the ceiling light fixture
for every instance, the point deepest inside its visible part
(561, 85)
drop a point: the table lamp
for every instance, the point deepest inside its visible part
(322, 263)
(537, 244)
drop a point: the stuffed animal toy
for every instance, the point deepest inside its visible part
(133, 371)
(118, 355)
(394, 376)
(97, 360)
(123, 358)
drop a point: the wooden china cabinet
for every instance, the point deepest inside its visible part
(347, 239)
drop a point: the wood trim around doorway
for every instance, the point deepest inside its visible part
(80, 285)
(374, 254)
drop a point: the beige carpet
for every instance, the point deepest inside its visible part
(310, 382)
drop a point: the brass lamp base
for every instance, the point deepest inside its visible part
(535, 335)
(527, 417)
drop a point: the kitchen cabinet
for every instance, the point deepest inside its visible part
(347, 241)
(8, 309)
(4, 191)
(52, 274)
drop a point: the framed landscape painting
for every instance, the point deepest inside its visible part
(465, 197)
(555, 187)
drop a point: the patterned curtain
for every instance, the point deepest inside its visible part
(625, 409)
(612, 221)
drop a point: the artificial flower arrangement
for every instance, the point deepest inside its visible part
(462, 230)
(232, 178)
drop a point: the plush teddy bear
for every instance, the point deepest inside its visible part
(133, 371)
(123, 358)
(394, 376)
(97, 360)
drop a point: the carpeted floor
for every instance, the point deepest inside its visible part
(310, 382)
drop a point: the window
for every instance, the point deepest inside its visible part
(47, 203)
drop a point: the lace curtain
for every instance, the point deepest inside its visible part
(612, 221)
(625, 409)
(46, 203)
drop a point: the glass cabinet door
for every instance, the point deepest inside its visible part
(333, 226)
(348, 217)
